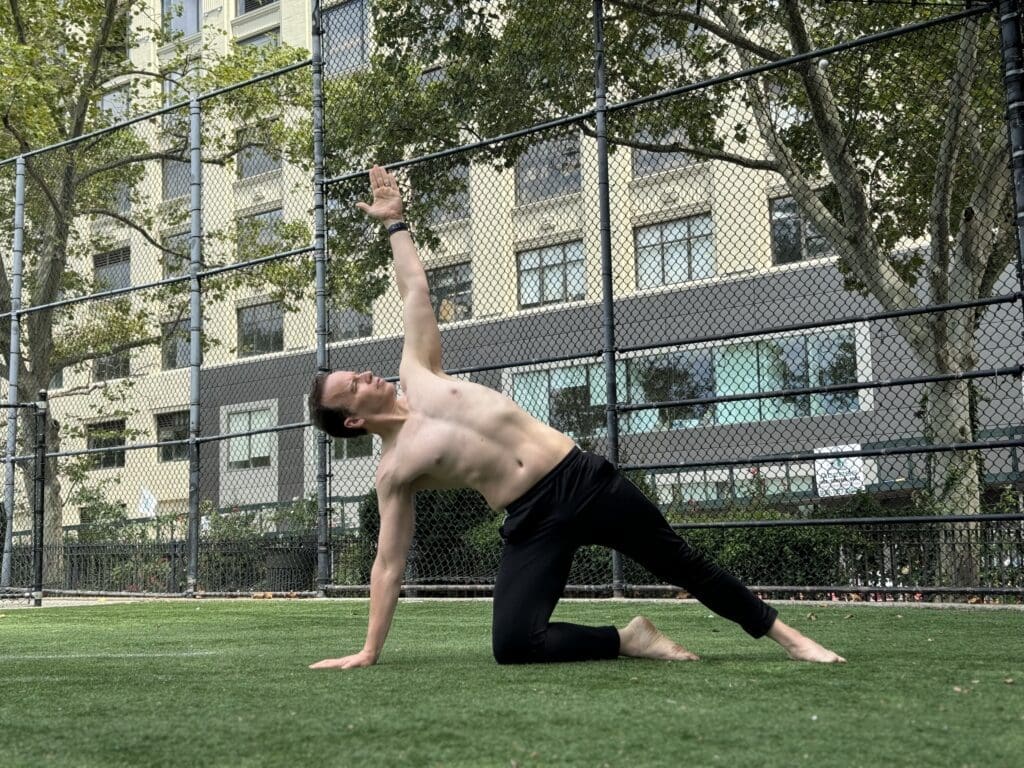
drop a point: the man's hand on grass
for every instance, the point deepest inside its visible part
(361, 659)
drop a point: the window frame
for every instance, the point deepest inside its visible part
(688, 239)
(541, 268)
(277, 332)
(115, 262)
(179, 451)
(110, 459)
(805, 233)
(535, 169)
(460, 289)
(347, 62)
(252, 462)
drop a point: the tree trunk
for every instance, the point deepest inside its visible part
(955, 480)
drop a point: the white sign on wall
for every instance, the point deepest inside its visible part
(147, 503)
(840, 475)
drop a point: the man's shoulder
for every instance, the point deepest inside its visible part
(413, 373)
(399, 466)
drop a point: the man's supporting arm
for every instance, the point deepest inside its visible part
(396, 529)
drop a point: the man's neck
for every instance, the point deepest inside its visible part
(389, 424)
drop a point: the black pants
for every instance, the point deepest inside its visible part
(584, 500)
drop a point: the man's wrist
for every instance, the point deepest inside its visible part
(388, 222)
(396, 227)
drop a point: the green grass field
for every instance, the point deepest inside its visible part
(225, 683)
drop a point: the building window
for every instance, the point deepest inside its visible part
(793, 239)
(571, 399)
(57, 379)
(175, 122)
(259, 234)
(260, 329)
(106, 434)
(254, 158)
(352, 447)
(115, 366)
(248, 451)
(346, 42)
(675, 252)
(662, 378)
(248, 6)
(451, 292)
(112, 269)
(551, 275)
(176, 255)
(344, 323)
(270, 37)
(549, 168)
(172, 426)
(114, 104)
(789, 362)
(175, 345)
(176, 178)
(181, 17)
(647, 162)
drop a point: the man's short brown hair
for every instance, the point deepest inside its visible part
(330, 420)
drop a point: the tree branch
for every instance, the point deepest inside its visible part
(19, 24)
(859, 242)
(127, 222)
(728, 34)
(949, 148)
(705, 153)
(122, 162)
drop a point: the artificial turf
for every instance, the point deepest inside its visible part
(225, 683)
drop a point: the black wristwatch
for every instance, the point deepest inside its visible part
(398, 226)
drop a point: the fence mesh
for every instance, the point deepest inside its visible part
(810, 274)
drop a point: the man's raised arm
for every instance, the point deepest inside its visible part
(422, 338)
(396, 528)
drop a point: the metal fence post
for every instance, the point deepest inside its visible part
(1013, 81)
(607, 289)
(195, 336)
(14, 363)
(39, 498)
(320, 257)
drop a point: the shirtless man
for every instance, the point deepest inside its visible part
(448, 433)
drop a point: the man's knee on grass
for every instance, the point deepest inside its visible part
(516, 647)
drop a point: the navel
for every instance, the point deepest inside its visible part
(520, 463)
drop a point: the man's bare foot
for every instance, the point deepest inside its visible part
(800, 647)
(641, 639)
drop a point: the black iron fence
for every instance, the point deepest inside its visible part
(765, 259)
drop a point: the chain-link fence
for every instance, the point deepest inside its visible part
(771, 270)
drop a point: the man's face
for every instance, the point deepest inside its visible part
(361, 394)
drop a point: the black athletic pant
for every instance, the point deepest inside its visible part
(584, 500)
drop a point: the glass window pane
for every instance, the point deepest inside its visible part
(553, 286)
(530, 390)
(345, 38)
(702, 258)
(783, 365)
(575, 281)
(832, 359)
(736, 374)
(649, 268)
(529, 288)
(676, 266)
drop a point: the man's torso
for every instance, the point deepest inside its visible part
(460, 434)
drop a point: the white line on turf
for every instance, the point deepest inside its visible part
(152, 655)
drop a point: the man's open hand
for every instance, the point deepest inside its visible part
(387, 198)
(361, 659)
